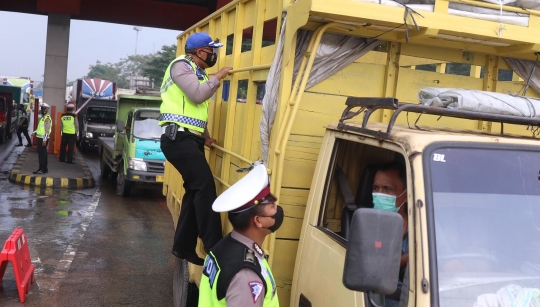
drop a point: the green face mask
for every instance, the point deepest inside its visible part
(386, 202)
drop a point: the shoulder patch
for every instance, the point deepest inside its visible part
(256, 288)
(210, 269)
(187, 65)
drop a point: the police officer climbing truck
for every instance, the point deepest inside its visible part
(186, 92)
(22, 127)
(69, 127)
(236, 272)
(42, 134)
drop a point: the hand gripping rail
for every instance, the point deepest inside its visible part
(371, 105)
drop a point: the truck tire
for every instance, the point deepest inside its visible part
(185, 293)
(123, 186)
(83, 147)
(105, 169)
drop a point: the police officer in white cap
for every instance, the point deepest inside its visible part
(235, 271)
(43, 133)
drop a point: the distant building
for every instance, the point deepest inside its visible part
(139, 81)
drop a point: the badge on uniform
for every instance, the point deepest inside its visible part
(258, 249)
(210, 269)
(256, 290)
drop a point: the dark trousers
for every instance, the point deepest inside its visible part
(23, 130)
(69, 141)
(42, 154)
(197, 218)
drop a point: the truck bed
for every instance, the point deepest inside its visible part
(107, 142)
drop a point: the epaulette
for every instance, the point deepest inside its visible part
(249, 256)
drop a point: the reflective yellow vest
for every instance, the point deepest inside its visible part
(40, 132)
(68, 123)
(208, 288)
(176, 106)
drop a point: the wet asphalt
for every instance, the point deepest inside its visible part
(90, 247)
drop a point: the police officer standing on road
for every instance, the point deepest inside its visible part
(69, 126)
(22, 127)
(186, 92)
(42, 134)
(236, 272)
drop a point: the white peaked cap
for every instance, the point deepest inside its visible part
(243, 191)
(45, 105)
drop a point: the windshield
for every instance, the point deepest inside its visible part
(101, 115)
(486, 206)
(146, 125)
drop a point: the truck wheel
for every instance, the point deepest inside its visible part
(105, 169)
(123, 186)
(83, 147)
(185, 293)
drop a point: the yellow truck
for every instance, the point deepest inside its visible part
(303, 69)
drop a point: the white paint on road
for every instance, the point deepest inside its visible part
(51, 281)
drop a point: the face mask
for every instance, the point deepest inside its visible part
(278, 218)
(211, 58)
(386, 202)
(44, 111)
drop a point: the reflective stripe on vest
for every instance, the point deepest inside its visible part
(210, 276)
(68, 123)
(176, 106)
(40, 132)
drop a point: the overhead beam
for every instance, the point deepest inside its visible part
(142, 13)
(527, 48)
(148, 13)
(63, 7)
(422, 33)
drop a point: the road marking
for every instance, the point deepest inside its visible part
(52, 281)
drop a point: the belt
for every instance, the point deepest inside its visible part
(181, 129)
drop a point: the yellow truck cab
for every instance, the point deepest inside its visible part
(470, 227)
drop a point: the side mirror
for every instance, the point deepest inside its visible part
(373, 251)
(120, 125)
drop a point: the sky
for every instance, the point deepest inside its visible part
(24, 39)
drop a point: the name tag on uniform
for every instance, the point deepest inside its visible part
(66, 118)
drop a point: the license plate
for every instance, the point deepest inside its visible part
(160, 178)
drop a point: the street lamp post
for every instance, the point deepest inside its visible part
(137, 37)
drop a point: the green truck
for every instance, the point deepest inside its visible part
(133, 156)
(8, 110)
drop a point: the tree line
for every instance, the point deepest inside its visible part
(151, 65)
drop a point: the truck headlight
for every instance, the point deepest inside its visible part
(2, 124)
(137, 164)
(89, 135)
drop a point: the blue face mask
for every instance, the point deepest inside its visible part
(385, 202)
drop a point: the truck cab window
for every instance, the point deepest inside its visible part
(364, 176)
(101, 115)
(146, 125)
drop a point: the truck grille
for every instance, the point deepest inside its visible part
(156, 167)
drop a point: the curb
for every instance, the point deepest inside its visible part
(51, 182)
